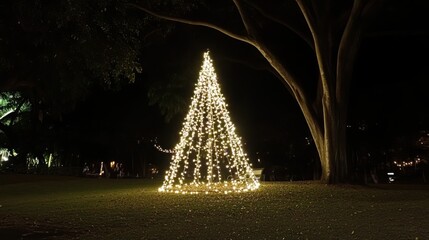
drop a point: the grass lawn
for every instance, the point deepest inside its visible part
(50, 207)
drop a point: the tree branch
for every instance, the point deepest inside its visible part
(260, 67)
(299, 94)
(347, 51)
(278, 71)
(195, 23)
(243, 18)
(301, 34)
(323, 69)
(16, 111)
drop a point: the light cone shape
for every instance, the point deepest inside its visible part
(209, 156)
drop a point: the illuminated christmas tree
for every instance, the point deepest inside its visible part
(209, 156)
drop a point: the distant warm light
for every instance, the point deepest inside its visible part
(101, 169)
(209, 156)
(4, 153)
(402, 164)
(50, 160)
(391, 176)
(112, 164)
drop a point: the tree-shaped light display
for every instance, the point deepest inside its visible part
(209, 156)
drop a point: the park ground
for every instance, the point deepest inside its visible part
(52, 207)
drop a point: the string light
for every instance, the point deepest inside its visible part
(159, 148)
(209, 156)
(402, 164)
(164, 150)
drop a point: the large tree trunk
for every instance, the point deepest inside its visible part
(328, 131)
(334, 158)
(335, 61)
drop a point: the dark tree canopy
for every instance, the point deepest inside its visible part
(54, 54)
(59, 50)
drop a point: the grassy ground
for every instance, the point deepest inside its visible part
(35, 207)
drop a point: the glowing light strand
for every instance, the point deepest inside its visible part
(402, 164)
(164, 150)
(209, 156)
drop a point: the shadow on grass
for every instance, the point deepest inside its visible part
(401, 186)
(36, 232)
(6, 179)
